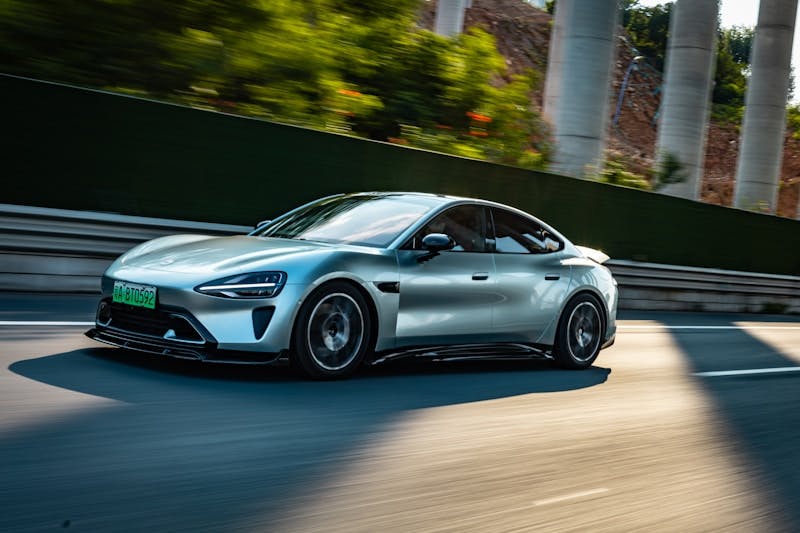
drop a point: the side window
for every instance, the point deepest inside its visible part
(515, 234)
(466, 224)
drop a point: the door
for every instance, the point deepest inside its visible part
(531, 277)
(448, 298)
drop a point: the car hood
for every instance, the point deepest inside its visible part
(206, 254)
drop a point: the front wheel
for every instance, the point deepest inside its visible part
(580, 333)
(332, 333)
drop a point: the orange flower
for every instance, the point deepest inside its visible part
(478, 117)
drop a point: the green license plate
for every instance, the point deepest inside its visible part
(134, 294)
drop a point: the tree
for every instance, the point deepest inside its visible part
(739, 42)
(730, 81)
(648, 28)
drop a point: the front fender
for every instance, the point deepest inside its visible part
(365, 271)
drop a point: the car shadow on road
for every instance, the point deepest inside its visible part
(759, 414)
(209, 447)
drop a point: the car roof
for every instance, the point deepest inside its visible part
(445, 200)
(441, 199)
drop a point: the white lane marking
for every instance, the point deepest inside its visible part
(43, 323)
(747, 372)
(572, 496)
(664, 326)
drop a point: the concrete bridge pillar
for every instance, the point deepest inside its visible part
(686, 104)
(761, 149)
(581, 114)
(450, 17)
(552, 83)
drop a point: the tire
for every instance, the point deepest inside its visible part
(332, 333)
(580, 333)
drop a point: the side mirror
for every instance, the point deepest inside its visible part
(262, 223)
(551, 245)
(437, 242)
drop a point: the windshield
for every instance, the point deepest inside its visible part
(366, 220)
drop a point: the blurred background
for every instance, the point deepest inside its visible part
(364, 68)
(374, 69)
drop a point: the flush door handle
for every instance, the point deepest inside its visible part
(480, 276)
(552, 277)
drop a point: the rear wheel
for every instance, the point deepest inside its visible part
(333, 332)
(580, 333)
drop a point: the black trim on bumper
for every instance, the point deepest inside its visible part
(207, 352)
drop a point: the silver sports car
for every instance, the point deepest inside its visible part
(365, 277)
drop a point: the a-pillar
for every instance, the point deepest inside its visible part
(761, 148)
(581, 114)
(450, 17)
(686, 104)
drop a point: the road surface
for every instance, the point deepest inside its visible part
(691, 422)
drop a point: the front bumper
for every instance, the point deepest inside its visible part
(168, 331)
(237, 325)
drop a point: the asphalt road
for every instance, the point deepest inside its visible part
(92, 439)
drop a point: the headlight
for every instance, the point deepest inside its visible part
(250, 285)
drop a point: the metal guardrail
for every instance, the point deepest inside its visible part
(668, 287)
(38, 244)
(41, 229)
(66, 251)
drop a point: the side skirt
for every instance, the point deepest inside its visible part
(458, 352)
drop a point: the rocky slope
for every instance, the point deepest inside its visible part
(523, 35)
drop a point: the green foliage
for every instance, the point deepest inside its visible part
(739, 43)
(614, 172)
(668, 170)
(731, 114)
(793, 120)
(360, 67)
(439, 142)
(504, 129)
(729, 80)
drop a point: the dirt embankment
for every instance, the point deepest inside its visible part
(523, 36)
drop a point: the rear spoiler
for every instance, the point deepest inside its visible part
(595, 255)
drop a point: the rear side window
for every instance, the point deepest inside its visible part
(515, 234)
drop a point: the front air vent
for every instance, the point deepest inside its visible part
(261, 318)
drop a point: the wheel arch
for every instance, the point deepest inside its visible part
(562, 350)
(372, 307)
(596, 295)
